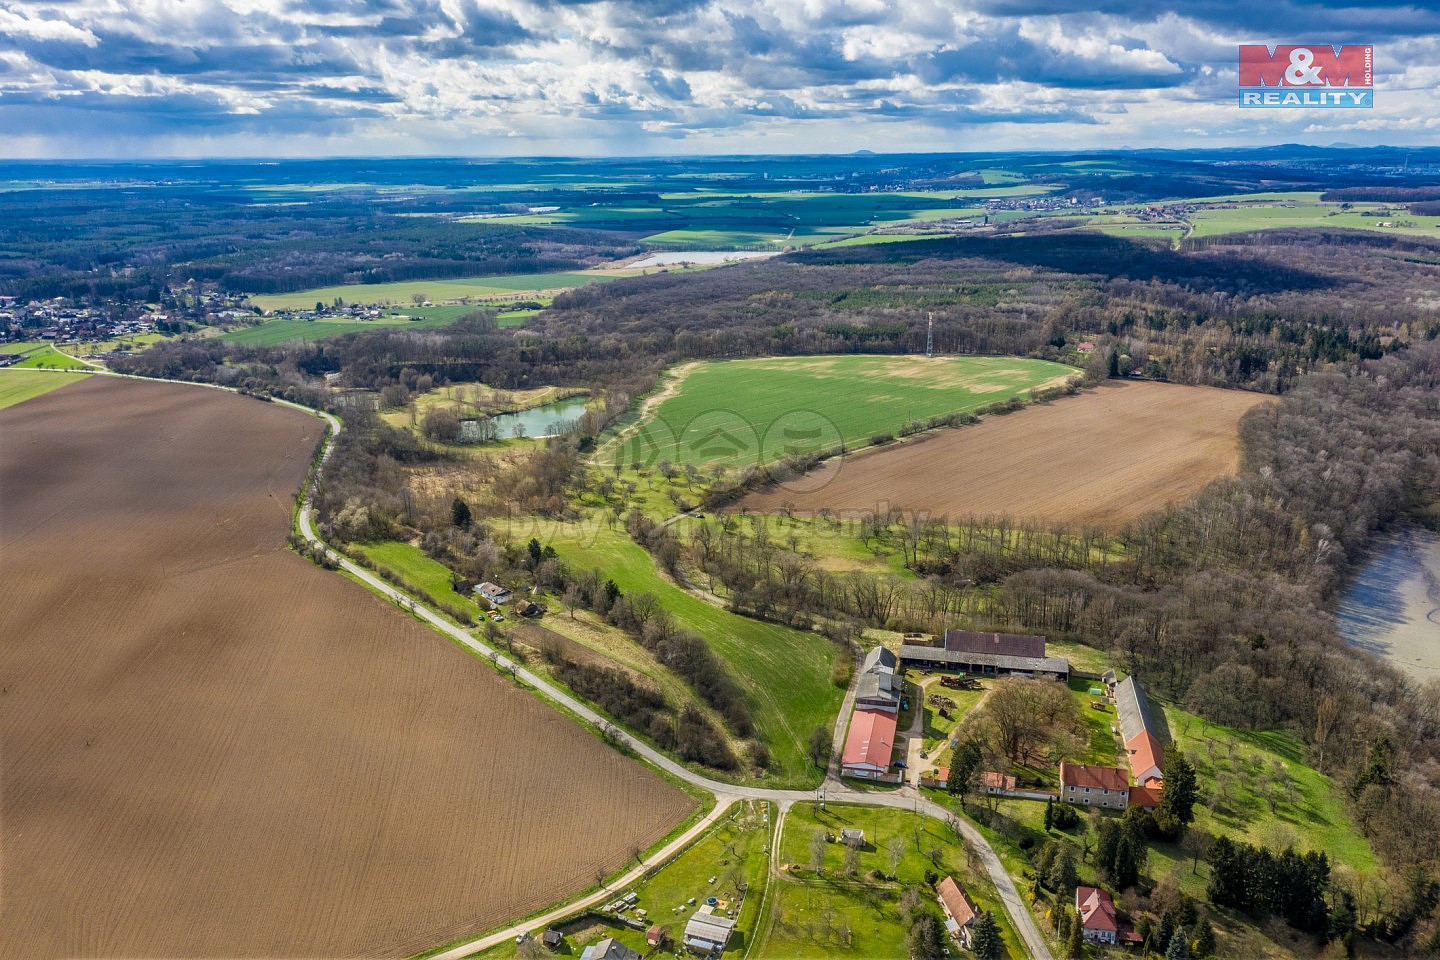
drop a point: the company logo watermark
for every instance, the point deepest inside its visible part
(1313, 75)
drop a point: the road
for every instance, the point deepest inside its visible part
(725, 794)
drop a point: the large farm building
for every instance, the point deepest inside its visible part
(986, 654)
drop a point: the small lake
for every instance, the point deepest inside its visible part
(1392, 607)
(540, 421)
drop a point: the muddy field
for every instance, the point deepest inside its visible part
(1102, 459)
(212, 748)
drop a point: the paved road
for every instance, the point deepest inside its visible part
(725, 794)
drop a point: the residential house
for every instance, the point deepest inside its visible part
(707, 932)
(994, 783)
(609, 949)
(1090, 786)
(959, 911)
(493, 592)
(869, 744)
(993, 654)
(1098, 921)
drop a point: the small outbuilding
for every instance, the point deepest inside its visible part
(552, 939)
(609, 949)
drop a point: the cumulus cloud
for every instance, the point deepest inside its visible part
(517, 76)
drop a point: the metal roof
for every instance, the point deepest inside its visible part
(1134, 710)
(873, 686)
(1003, 644)
(880, 658)
(999, 661)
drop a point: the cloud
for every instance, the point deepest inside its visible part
(576, 75)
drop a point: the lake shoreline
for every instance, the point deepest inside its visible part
(1391, 606)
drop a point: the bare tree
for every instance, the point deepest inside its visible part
(894, 853)
(817, 850)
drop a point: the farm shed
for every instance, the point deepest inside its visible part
(708, 933)
(869, 744)
(1143, 744)
(994, 654)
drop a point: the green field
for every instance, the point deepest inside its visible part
(40, 355)
(18, 387)
(745, 412)
(785, 673)
(402, 294)
(869, 239)
(832, 915)
(273, 332)
(416, 569)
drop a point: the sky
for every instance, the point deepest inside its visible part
(286, 78)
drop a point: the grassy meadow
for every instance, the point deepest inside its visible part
(741, 413)
(786, 673)
(403, 293)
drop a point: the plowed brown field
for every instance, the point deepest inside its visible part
(1099, 459)
(211, 748)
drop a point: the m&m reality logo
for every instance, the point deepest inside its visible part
(1313, 75)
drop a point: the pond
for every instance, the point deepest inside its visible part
(1392, 607)
(540, 421)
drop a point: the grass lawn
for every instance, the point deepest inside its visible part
(810, 915)
(19, 387)
(402, 293)
(743, 412)
(1102, 749)
(938, 729)
(786, 673)
(417, 569)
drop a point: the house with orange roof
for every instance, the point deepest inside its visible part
(1090, 786)
(960, 911)
(1098, 921)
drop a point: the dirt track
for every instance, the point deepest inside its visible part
(1100, 459)
(213, 748)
